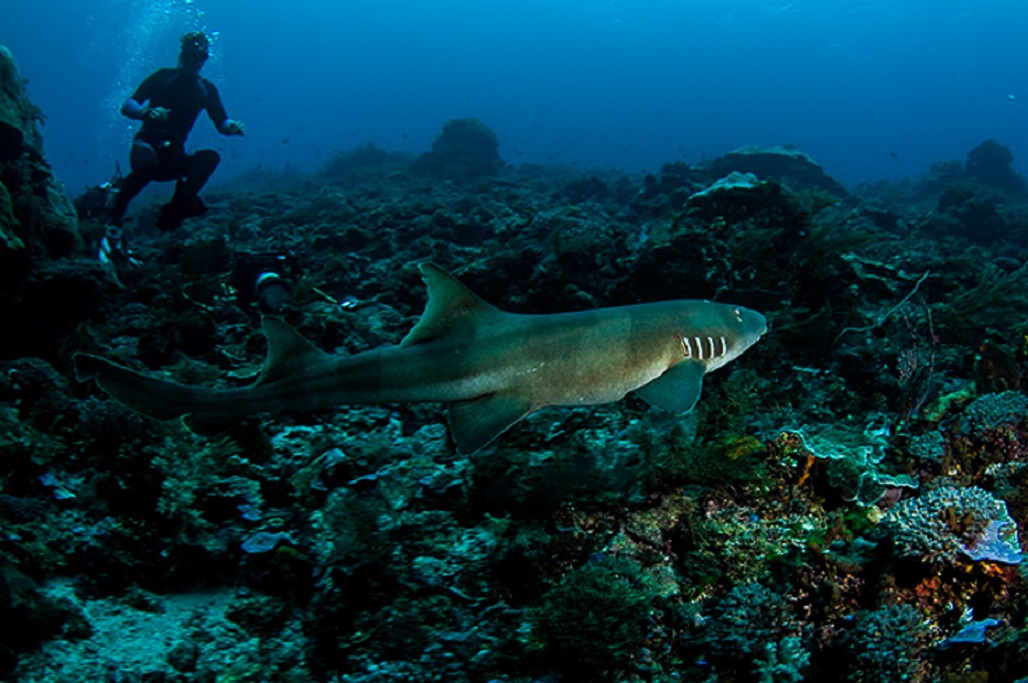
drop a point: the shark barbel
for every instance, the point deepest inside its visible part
(491, 366)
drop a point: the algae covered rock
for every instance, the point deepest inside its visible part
(35, 213)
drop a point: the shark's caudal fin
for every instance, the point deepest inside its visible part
(165, 400)
(159, 398)
(289, 352)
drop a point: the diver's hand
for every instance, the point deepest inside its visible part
(156, 114)
(233, 127)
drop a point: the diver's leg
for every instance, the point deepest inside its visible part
(197, 169)
(144, 165)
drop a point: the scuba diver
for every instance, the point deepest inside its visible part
(168, 103)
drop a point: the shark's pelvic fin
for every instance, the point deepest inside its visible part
(475, 423)
(677, 390)
(288, 351)
(451, 307)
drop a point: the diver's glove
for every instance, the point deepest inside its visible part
(113, 251)
(156, 114)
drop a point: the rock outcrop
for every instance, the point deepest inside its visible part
(44, 293)
(37, 221)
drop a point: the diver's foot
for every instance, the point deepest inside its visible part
(191, 206)
(113, 251)
(182, 206)
(167, 219)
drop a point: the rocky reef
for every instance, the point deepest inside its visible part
(845, 503)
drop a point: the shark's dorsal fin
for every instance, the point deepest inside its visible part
(289, 351)
(451, 307)
(677, 390)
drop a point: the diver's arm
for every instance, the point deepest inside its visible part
(133, 109)
(216, 110)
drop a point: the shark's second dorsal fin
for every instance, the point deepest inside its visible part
(451, 307)
(288, 351)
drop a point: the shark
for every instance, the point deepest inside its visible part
(491, 366)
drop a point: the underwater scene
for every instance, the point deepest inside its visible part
(513, 342)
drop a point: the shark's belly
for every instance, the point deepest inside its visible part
(579, 381)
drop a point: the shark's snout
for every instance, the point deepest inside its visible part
(754, 324)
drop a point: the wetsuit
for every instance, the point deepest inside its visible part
(158, 149)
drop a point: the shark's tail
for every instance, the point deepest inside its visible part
(162, 399)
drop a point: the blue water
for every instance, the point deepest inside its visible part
(872, 90)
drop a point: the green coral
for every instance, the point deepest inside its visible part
(594, 618)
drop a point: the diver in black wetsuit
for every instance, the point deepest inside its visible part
(173, 98)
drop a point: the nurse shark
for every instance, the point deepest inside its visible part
(492, 367)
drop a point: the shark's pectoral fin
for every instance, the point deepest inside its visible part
(676, 390)
(475, 423)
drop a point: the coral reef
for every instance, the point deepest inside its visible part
(949, 522)
(846, 503)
